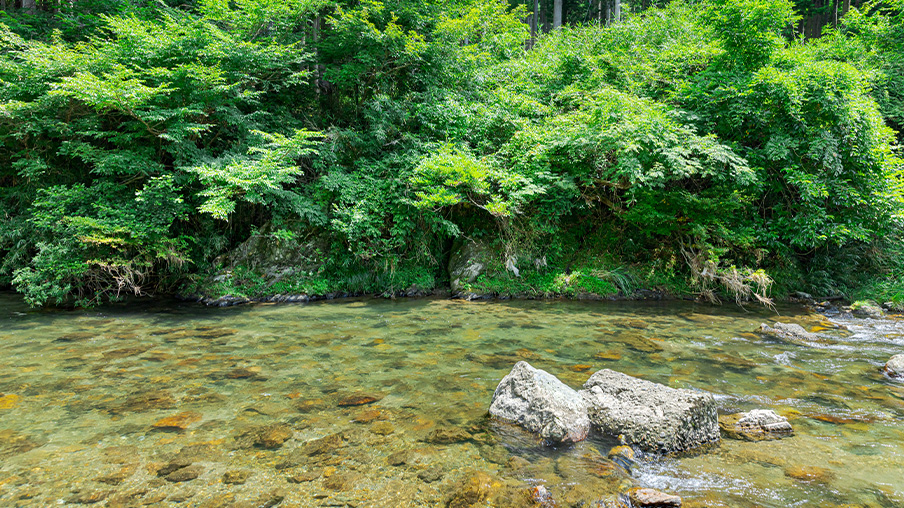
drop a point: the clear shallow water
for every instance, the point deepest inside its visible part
(81, 391)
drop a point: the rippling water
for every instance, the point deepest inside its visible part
(383, 403)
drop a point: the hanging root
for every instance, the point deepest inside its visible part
(742, 285)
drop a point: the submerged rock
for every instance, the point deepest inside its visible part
(755, 425)
(448, 435)
(185, 474)
(788, 331)
(473, 490)
(359, 399)
(273, 436)
(651, 416)
(895, 366)
(539, 402)
(180, 421)
(810, 474)
(236, 477)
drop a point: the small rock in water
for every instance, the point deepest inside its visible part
(323, 445)
(273, 436)
(539, 496)
(622, 451)
(89, 497)
(473, 490)
(237, 477)
(8, 401)
(174, 465)
(179, 421)
(650, 498)
(145, 401)
(432, 474)
(895, 366)
(117, 477)
(265, 500)
(359, 399)
(307, 476)
(788, 331)
(867, 309)
(809, 474)
(185, 474)
(245, 373)
(341, 481)
(382, 428)
(447, 435)
(755, 425)
(399, 458)
(539, 402)
(371, 415)
(308, 405)
(651, 416)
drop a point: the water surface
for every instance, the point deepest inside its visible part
(383, 403)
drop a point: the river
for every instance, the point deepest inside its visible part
(371, 402)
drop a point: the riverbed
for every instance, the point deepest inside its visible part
(372, 402)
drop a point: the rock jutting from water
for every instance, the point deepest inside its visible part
(650, 498)
(651, 416)
(788, 331)
(755, 425)
(895, 366)
(541, 403)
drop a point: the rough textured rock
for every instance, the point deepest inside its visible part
(651, 416)
(539, 402)
(867, 309)
(755, 425)
(467, 262)
(649, 498)
(272, 256)
(895, 366)
(789, 331)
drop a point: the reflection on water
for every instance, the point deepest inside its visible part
(383, 403)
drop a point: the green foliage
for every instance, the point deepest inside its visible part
(750, 30)
(259, 178)
(698, 145)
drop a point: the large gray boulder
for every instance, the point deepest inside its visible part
(539, 402)
(895, 366)
(649, 415)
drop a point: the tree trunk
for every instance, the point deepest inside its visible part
(599, 12)
(544, 18)
(617, 14)
(28, 5)
(556, 14)
(533, 23)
